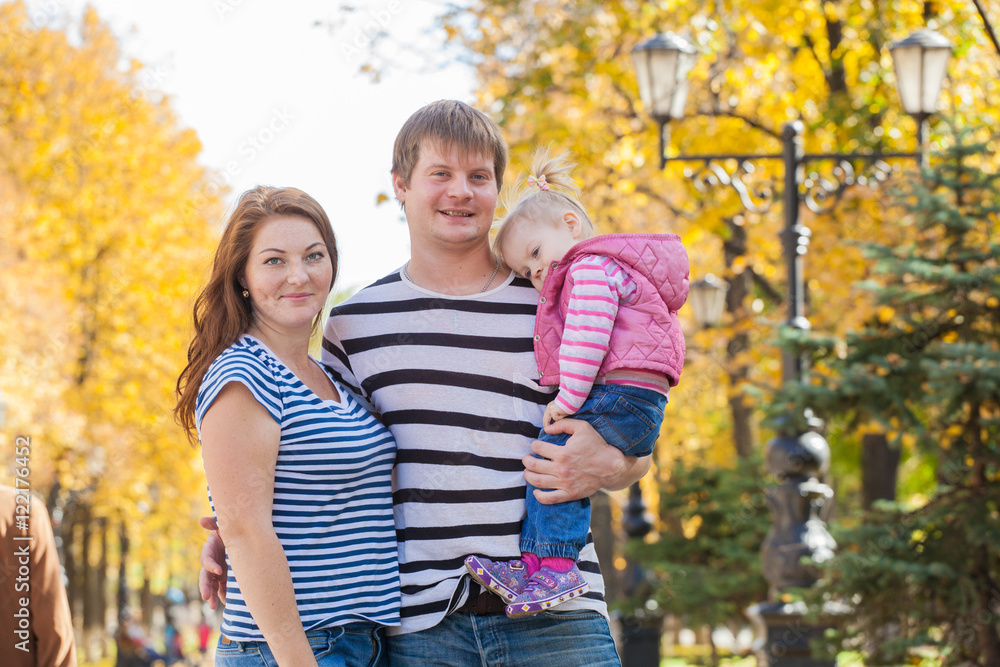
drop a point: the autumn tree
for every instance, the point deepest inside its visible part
(561, 73)
(107, 224)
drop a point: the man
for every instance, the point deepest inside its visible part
(442, 350)
(34, 613)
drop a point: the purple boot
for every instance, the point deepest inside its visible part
(506, 578)
(546, 589)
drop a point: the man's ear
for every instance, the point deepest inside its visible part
(399, 187)
(573, 222)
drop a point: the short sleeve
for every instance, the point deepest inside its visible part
(335, 359)
(239, 365)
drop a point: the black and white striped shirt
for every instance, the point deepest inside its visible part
(455, 380)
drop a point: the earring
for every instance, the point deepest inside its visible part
(246, 294)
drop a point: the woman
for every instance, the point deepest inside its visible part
(298, 472)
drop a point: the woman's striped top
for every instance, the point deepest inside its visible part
(455, 380)
(332, 507)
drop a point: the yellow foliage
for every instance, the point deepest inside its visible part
(107, 225)
(691, 525)
(562, 73)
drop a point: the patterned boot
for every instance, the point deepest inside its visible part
(546, 589)
(506, 578)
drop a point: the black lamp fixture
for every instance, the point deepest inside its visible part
(663, 61)
(707, 298)
(921, 62)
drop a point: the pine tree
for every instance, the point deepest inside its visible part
(926, 570)
(705, 564)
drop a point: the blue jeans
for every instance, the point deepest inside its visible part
(551, 638)
(628, 418)
(352, 645)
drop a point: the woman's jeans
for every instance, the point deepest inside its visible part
(628, 418)
(353, 645)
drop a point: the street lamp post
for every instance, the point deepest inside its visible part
(796, 459)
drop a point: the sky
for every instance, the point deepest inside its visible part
(279, 100)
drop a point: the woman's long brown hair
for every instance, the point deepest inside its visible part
(221, 313)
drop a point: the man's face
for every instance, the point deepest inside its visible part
(450, 198)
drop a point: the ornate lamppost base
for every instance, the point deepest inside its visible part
(641, 639)
(785, 635)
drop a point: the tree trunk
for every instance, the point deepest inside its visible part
(879, 467)
(102, 589)
(92, 626)
(69, 554)
(122, 578)
(146, 600)
(986, 633)
(740, 285)
(90, 619)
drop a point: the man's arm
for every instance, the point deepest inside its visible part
(581, 467)
(214, 572)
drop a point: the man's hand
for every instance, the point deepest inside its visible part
(581, 467)
(213, 574)
(552, 414)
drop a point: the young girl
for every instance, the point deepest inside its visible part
(607, 333)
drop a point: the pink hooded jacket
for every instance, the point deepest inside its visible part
(647, 333)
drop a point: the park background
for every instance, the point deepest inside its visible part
(127, 129)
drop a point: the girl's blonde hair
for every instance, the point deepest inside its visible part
(546, 194)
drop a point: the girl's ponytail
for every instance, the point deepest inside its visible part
(544, 196)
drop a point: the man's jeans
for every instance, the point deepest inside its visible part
(628, 418)
(551, 638)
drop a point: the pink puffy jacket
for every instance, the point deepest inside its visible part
(647, 334)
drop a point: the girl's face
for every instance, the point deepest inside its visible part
(531, 246)
(288, 274)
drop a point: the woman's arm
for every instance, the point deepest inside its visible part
(240, 449)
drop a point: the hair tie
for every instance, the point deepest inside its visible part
(540, 182)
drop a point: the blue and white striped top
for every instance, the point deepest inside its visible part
(332, 508)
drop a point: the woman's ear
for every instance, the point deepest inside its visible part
(573, 222)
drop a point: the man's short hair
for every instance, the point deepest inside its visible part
(452, 124)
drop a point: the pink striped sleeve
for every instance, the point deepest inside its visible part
(599, 283)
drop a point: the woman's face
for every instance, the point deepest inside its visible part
(288, 274)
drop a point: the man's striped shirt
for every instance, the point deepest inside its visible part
(456, 382)
(332, 505)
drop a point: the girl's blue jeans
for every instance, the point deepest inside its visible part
(628, 418)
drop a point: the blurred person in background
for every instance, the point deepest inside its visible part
(35, 624)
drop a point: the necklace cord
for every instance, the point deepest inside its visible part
(496, 268)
